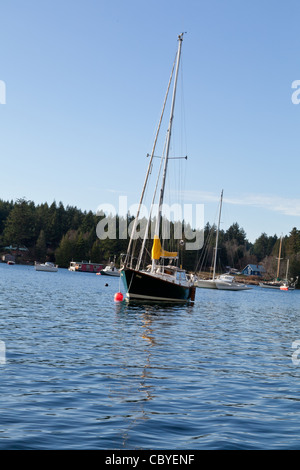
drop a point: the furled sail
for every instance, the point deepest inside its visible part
(157, 251)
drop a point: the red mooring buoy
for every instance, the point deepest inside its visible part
(118, 297)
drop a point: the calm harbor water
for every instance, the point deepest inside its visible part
(83, 372)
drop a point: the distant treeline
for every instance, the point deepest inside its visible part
(62, 234)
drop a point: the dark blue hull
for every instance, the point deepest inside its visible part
(145, 286)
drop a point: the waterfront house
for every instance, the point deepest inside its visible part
(253, 270)
(8, 257)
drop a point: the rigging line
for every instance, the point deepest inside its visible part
(183, 116)
(169, 132)
(179, 177)
(151, 209)
(203, 257)
(183, 135)
(130, 283)
(146, 252)
(207, 251)
(151, 159)
(170, 158)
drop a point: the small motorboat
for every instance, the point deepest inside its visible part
(49, 267)
(110, 270)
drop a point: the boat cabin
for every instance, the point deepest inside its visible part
(171, 273)
(85, 266)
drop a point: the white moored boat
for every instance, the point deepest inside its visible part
(224, 281)
(110, 270)
(49, 267)
(227, 282)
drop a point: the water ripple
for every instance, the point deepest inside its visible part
(83, 372)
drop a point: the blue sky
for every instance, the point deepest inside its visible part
(85, 82)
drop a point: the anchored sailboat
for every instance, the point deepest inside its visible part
(277, 283)
(158, 282)
(211, 283)
(224, 281)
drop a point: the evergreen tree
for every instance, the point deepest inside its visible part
(20, 224)
(80, 248)
(41, 247)
(293, 242)
(261, 247)
(5, 208)
(96, 252)
(234, 232)
(65, 252)
(71, 234)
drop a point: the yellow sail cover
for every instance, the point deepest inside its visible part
(157, 250)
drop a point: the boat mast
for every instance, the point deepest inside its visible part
(278, 264)
(217, 237)
(287, 269)
(146, 180)
(169, 131)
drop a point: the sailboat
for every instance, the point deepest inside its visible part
(157, 281)
(211, 283)
(277, 283)
(224, 281)
(291, 283)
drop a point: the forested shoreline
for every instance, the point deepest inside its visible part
(62, 234)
